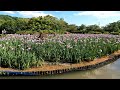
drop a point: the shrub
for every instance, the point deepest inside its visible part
(115, 33)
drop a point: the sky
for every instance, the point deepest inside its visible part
(101, 18)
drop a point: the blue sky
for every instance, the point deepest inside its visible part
(72, 17)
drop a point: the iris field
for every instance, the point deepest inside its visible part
(70, 48)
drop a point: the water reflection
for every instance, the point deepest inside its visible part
(110, 71)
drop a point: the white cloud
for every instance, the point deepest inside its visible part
(99, 14)
(32, 13)
(57, 11)
(9, 12)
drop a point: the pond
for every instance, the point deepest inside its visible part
(110, 71)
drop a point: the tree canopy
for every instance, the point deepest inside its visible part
(50, 24)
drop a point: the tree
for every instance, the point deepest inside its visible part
(82, 28)
(21, 24)
(9, 26)
(72, 28)
(93, 28)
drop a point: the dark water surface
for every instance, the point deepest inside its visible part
(110, 71)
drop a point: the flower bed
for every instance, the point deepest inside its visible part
(63, 68)
(22, 54)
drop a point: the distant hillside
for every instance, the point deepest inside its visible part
(4, 18)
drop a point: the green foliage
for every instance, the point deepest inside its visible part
(2, 35)
(9, 26)
(5, 18)
(112, 27)
(22, 54)
(115, 33)
(50, 24)
(95, 32)
(16, 54)
(72, 28)
(26, 32)
(47, 31)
